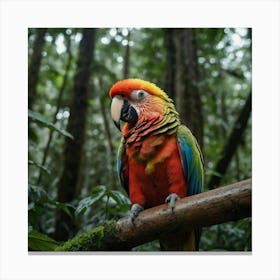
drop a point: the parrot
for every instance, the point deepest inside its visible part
(159, 160)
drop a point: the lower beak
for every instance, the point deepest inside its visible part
(118, 125)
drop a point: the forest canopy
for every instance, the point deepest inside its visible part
(72, 180)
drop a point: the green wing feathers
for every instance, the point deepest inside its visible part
(192, 160)
(122, 166)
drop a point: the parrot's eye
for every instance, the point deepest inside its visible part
(138, 95)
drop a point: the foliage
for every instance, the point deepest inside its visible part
(232, 236)
(224, 57)
(40, 242)
(101, 205)
(39, 119)
(226, 62)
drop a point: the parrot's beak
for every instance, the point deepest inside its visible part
(116, 107)
(121, 109)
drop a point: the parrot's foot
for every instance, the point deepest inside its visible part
(135, 210)
(171, 199)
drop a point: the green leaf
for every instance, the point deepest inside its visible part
(119, 197)
(41, 120)
(64, 207)
(97, 194)
(98, 190)
(37, 193)
(40, 242)
(33, 138)
(42, 167)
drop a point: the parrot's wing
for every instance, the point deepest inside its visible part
(192, 160)
(122, 166)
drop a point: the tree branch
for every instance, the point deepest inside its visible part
(217, 206)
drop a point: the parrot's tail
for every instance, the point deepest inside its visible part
(182, 241)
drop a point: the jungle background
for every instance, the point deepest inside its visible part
(73, 185)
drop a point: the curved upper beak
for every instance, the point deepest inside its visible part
(122, 109)
(116, 108)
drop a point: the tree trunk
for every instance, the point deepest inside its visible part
(171, 63)
(111, 149)
(232, 143)
(126, 58)
(67, 186)
(224, 204)
(183, 78)
(34, 65)
(58, 105)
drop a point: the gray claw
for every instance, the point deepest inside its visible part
(171, 199)
(135, 210)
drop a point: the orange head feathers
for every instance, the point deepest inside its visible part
(125, 87)
(144, 107)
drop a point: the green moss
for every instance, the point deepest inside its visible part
(97, 239)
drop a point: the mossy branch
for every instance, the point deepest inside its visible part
(217, 206)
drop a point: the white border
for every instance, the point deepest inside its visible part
(17, 16)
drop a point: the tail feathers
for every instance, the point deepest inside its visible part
(180, 241)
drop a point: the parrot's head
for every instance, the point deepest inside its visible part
(139, 102)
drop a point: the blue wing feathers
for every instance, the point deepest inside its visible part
(191, 160)
(185, 151)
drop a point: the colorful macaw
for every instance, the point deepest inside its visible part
(159, 160)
